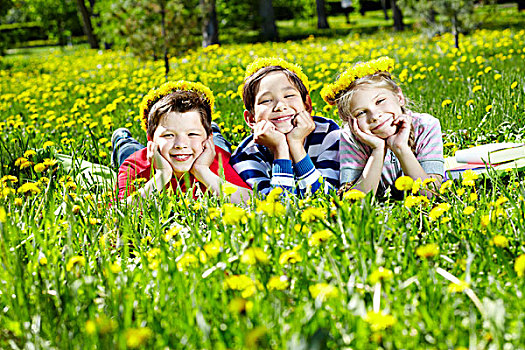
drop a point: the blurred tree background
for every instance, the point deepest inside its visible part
(159, 29)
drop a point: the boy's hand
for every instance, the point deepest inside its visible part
(159, 162)
(368, 139)
(265, 134)
(303, 126)
(399, 140)
(205, 159)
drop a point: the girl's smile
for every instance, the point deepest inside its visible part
(376, 110)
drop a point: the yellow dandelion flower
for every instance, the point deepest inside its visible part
(253, 255)
(75, 261)
(138, 337)
(39, 167)
(185, 261)
(233, 215)
(445, 103)
(228, 189)
(381, 274)
(404, 183)
(488, 108)
(240, 305)
(438, 211)
(468, 210)
(519, 265)
(469, 178)
(213, 249)
(312, 214)
(278, 283)
(48, 144)
(354, 195)
(500, 241)
(513, 85)
(428, 251)
(323, 291)
(320, 237)
(29, 153)
(290, 257)
(271, 208)
(379, 321)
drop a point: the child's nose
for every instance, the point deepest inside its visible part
(280, 105)
(179, 143)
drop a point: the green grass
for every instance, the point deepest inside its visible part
(80, 270)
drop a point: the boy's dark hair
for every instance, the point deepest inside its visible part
(180, 101)
(251, 85)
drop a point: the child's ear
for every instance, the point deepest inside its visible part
(308, 104)
(401, 97)
(249, 118)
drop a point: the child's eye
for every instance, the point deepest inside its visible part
(289, 96)
(264, 101)
(359, 114)
(167, 135)
(380, 101)
(194, 134)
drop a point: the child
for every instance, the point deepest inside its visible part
(177, 117)
(382, 139)
(288, 148)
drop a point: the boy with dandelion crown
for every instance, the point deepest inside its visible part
(177, 118)
(382, 140)
(288, 148)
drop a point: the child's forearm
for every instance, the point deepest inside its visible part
(156, 183)
(297, 151)
(214, 183)
(371, 175)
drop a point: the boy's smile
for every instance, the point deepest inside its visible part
(277, 101)
(376, 110)
(180, 137)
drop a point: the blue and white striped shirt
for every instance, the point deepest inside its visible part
(257, 167)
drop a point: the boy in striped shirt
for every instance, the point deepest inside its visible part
(288, 148)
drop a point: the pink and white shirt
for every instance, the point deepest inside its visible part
(428, 150)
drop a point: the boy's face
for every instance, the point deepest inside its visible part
(277, 101)
(376, 110)
(180, 137)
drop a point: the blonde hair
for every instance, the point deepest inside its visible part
(379, 80)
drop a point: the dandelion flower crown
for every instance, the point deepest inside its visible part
(263, 62)
(154, 95)
(331, 92)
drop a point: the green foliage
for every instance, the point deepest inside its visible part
(441, 16)
(136, 25)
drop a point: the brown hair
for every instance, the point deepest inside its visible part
(180, 101)
(380, 80)
(251, 85)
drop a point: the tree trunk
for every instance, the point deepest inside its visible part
(322, 22)
(210, 26)
(164, 38)
(86, 24)
(268, 27)
(383, 6)
(456, 31)
(398, 16)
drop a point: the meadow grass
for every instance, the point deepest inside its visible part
(80, 270)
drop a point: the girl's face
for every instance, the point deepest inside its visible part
(180, 137)
(376, 110)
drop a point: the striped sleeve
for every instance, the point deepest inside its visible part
(320, 167)
(255, 165)
(429, 143)
(354, 156)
